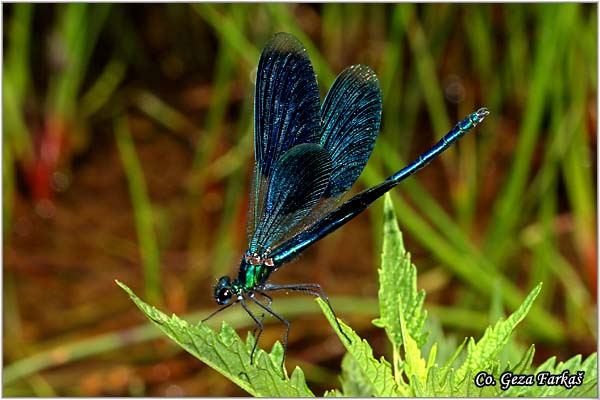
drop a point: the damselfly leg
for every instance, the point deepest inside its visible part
(311, 288)
(284, 321)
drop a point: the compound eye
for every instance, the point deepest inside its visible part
(223, 296)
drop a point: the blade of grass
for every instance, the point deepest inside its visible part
(157, 109)
(79, 27)
(481, 48)
(425, 67)
(555, 28)
(544, 197)
(16, 83)
(227, 29)
(549, 262)
(390, 73)
(17, 60)
(215, 117)
(332, 32)
(478, 33)
(142, 209)
(577, 170)
(106, 84)
(518, 49)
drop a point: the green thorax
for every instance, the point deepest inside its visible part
(254, 271)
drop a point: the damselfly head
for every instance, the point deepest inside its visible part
(223, 291)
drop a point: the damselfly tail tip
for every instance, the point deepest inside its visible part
(482, 112)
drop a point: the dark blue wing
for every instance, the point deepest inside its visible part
(351, 115)
(286, 113)
(298, 182)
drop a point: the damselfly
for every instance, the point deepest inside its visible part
(307, 155)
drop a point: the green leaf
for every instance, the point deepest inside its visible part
(525, 364)
(481, 355)
(454, 356)
(228, 354)
(143, 212)
(378, 373)
(353, 381)
(415, 367)
(398, 284)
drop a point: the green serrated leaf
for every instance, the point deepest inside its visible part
(352, 379)
(525, 363)
(482, 354)
(432, 356)
(377, 372)
(415, 366)
(228, 354)
(434, 381)
(398, 280)
(453, 357)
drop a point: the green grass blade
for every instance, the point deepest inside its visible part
(215, 118)
(106, 84)
(79, 27)
(17, 60)
(157, 109)
(425, 67)
(16, 83)
(142, 209)
(229, 31)
(554, 29)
